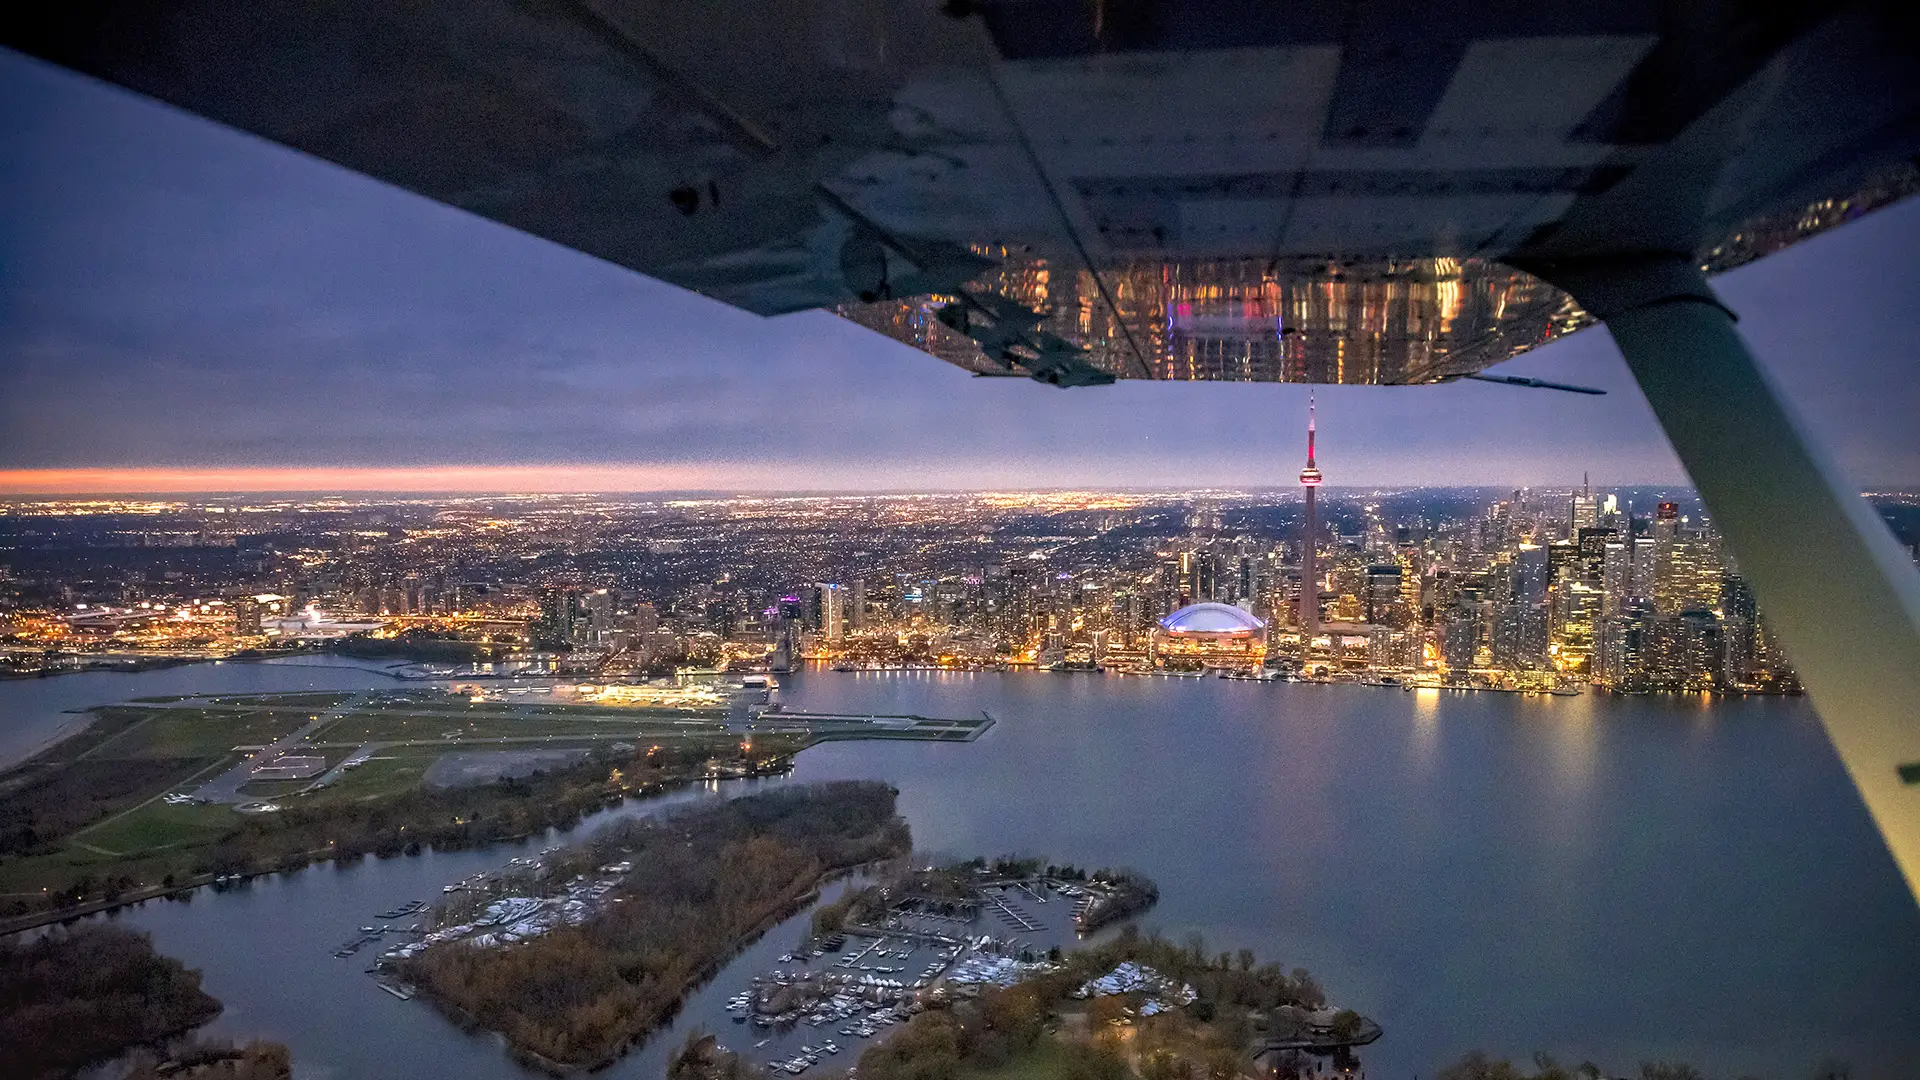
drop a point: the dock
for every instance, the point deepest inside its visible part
(1011, 915)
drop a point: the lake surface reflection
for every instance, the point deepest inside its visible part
(1608, 879)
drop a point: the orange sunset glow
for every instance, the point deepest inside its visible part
(428, 478)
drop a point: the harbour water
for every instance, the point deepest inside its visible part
(1614, 879)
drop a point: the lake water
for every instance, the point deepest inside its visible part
(1617, 879)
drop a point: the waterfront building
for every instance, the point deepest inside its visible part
(1687, 652)
(1459, 640)
(1211, 634)
(1390, 650)
(833, 611)
(1576, 612)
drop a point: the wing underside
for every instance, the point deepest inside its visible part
(1320, 193)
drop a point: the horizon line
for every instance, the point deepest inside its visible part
(583, 480)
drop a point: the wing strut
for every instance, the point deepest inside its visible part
(1838, 591)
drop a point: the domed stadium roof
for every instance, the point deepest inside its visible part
(1211, 619)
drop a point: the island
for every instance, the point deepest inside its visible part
(77, 998)
(601, 941)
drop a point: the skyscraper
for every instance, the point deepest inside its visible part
(1309, 574)
(559, 612)
(832, 611)
(1530, 574)
(1616, 576)
(1586, 509)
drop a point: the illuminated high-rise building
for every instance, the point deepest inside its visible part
(833, 612)
(597, 607)
(1640, 578)
(1616, 576)
(246, 616)
(1575, 613)
(560, 611)
(1385, 606)
(1309, 573)
(1505, 639)
(1586, 509)
(1530, 573)
(1459, 639)
(1592, 543)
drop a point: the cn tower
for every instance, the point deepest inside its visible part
(1309, 573)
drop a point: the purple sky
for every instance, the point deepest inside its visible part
(177, 294)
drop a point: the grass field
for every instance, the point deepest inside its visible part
(389, 772)
(58, 801)
(159, 826)
(183, 732)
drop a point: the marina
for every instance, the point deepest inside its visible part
(856, 983)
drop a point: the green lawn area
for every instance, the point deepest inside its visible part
(185, 732)
(388, 772)
(273, 789)
(145, 845)
(159, 826)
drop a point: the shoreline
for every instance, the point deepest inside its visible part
(34, 920)
(68, 729)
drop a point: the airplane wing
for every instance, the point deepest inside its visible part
(1308, 192)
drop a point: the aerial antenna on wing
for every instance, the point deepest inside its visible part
(1533, 384)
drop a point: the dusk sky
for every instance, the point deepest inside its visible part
(180, 298)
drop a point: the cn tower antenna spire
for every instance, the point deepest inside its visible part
(1309, 429)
